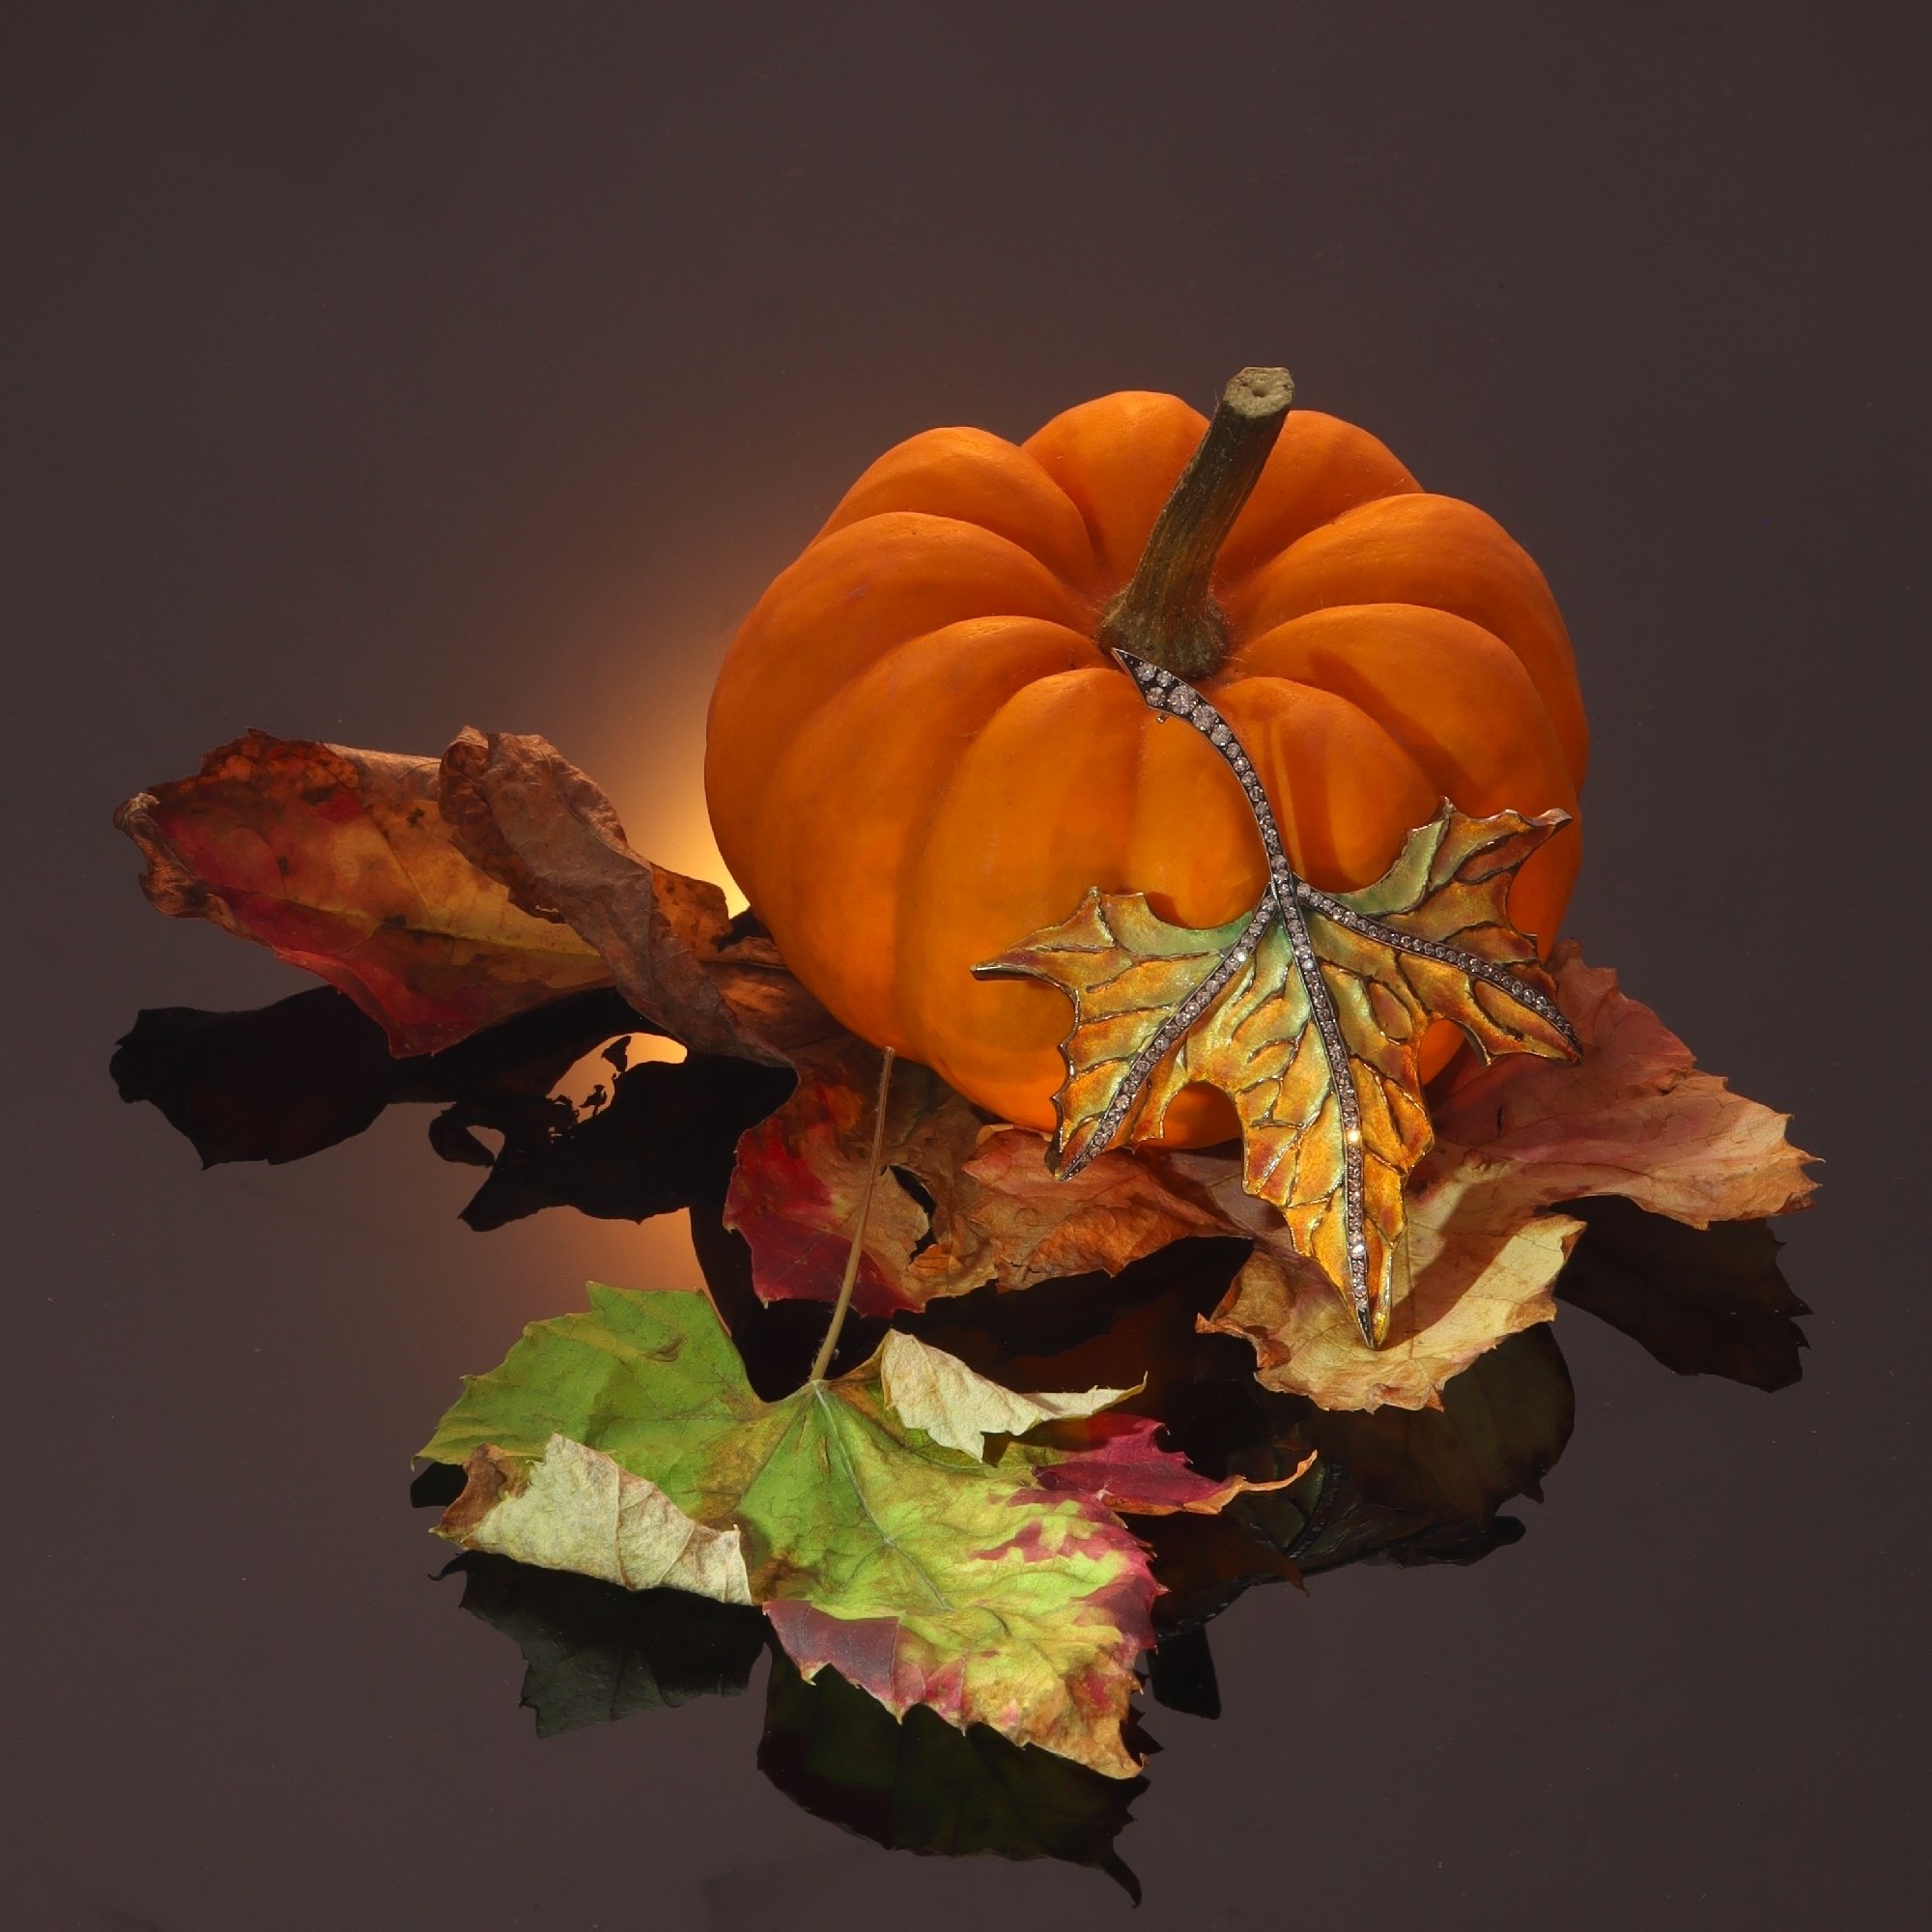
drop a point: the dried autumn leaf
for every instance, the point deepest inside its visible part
(447, 896)
(572, 1508)
(1308, 1012)
(991, 1207)
(1119, 1459)
(800, 1176)
(525, 816)
(921, 1573)
(339, 862)
(1635, 1117)
(928, 1390)
(1483, 1264)
(1039, 1226)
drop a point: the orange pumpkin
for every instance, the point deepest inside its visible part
(920, 750)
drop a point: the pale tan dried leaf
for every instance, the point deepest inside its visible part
(930, 1391)
(1482, 1263)
(574, 1508)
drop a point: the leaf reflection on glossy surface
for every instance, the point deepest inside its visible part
(1710, 1301)
(664, 1142)
(286, 1081)
(292, 1079)
(922, 1786)
(594, 1654)
(1504, 1423)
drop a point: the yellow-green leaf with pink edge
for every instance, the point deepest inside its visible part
(997, 1589)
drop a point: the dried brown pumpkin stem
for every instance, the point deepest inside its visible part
(1167, 613)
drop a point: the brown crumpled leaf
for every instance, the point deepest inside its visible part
(997, 1213)
(524, 815)
(444, 897)
(1118, 1210)
(436, 896)
(338, 862)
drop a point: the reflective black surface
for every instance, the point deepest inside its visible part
(1409, 1489)
(372, 370)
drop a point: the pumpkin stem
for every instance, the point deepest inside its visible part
(823, 1360)
(1167, 613)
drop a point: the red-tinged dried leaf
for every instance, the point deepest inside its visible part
(1118, 1210)
(338, 862)
(1118, 1460)
(358, 867)
(1635, 1117)
(530, 818)
(997, 1213)
(801, 1175)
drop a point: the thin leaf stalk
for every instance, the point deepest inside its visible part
(842, 1306)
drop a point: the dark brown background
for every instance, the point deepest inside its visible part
(372, 369)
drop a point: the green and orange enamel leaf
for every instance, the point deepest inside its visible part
(1431, 939)
(626, 1442)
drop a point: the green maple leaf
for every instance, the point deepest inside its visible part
(625, 1443)
(1308, 1013)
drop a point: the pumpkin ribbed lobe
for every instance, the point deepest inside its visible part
(848, 599)
(841, 854)
(1431, 550)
